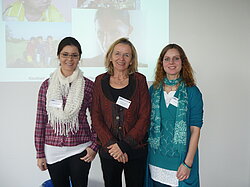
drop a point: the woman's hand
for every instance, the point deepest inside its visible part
(183, 173)
(41, 163)
(115, 151)
(89, 157)
(123, 158)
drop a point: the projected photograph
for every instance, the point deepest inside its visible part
(30, 46)
(29, 38)
(103, 27)
(115, 4)
(37, 10)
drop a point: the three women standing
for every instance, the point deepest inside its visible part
(176, 119)
(121, 117)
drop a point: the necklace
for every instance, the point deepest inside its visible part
(119, 81)
(168, 88)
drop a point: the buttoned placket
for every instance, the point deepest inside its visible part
(119, 121)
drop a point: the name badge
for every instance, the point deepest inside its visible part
(56, 103)
(123, 102)
(174, 101)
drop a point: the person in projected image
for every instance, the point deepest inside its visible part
(32, 10)
(110, 24)
(50, 49)
(121, 114)
(116, 4)
(65, 143)
(30, 51)
(176, 120)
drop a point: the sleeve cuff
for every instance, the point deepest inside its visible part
(124, 147)
(40, 155)
(94, 146)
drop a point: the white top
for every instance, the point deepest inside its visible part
(158, 174)
(164, 176)
(168, 97)
(55, 154)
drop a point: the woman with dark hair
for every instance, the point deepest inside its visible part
(64, 141)
(176, 119)
(121, 113)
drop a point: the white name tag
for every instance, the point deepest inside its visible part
(123, 102)
(174, 101)
(56, 103)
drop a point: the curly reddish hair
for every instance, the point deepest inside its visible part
(186, 72)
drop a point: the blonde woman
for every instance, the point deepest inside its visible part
(121, 111)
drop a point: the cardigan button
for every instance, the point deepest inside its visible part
(117, 117)
(120, 128)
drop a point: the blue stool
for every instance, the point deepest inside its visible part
(48, 183)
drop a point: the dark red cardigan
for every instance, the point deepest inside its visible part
(136, 117)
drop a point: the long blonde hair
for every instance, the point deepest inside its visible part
(134, 62)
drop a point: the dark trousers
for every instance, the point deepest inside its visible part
(134, 171)
(158, 184)
(71, 168)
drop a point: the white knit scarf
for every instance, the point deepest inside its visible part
(65, 119)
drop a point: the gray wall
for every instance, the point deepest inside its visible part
(216, 37)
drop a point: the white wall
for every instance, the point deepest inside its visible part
(216, 37)
(17, 156)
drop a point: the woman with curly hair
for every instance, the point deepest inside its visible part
(176, 120)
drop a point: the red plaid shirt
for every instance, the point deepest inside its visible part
(44, 133)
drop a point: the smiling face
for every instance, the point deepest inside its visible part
(121, 57)
(108, 32)
(69, 58)
(172, 64)
(37, 5)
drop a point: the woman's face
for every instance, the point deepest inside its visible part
(172, 64)
(110, 31)
(121, 57)
(69, 58)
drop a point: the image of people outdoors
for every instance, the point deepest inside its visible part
(37, 53)
(176, 120)
(121, 116)
(115, 4)
(34, 44)
(31, 10)
(64, 140)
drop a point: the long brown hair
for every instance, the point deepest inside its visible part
(186, 72)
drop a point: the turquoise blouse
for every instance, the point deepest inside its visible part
(164, 158)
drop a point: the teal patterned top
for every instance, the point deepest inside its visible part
(166, 157)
